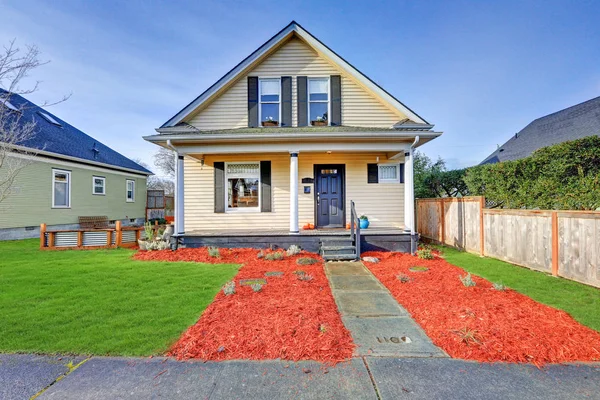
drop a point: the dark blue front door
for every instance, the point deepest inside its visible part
(329, 192)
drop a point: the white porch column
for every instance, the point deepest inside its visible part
(179, 193)
(294, 229)
(409, 192)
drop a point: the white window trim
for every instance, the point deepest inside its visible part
(381, 180)
(308, 101)
(68, 173)
(260, 103)
(127, 199)
(94, 177)
(243, 209)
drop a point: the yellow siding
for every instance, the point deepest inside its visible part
(383, 203)
(295, 58)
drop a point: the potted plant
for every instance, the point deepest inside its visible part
(319, 121)
(270, 122)
(364, 222)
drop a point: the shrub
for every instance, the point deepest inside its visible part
(404, 278)
(148, 231)
(305, 277)
(498, 286)
(306, 261)
(469, 336)
(293, 250)
(229, 288)
(467, 280)
(257, 287)
(425, 254)
(278, 255)
(214, 252)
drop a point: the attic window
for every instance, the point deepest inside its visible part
(49, 118)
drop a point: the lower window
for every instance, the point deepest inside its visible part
(61, 188)
(389, 173)
(243, 186)
(130, 194)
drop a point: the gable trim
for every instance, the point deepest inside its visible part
(293, 27)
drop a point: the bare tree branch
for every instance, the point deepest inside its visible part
(164, 160)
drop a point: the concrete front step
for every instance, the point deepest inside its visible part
(339, 257)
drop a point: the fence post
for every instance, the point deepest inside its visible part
(51, 239)
(118, 233)
(443, 221)
(79, 238)
(481, 222)
(554, 243)
(42, 236)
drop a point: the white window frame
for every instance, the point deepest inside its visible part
(94, 177)
(260, 103)
(381, 180)
(68, 173)
(308, 101)
(242, 209)
(132, 200)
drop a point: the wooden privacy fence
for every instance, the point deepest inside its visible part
(563, 243)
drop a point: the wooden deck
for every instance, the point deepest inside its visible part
(282, 232)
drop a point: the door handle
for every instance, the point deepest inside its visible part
(318, 198)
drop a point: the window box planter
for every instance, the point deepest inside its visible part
(318, 123)
(270, 123)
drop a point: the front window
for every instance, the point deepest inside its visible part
(389, 173)
(243, 185)
(318, 101)
(269, 95)
(61, 188)
(99, 185)
(130, 190)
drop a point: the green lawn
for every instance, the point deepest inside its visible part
(581, 301)
(98, 301)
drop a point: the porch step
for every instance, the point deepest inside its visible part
(339, 257)
(337, 242)
(338, 249)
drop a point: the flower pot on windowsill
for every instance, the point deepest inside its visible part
(270, 123)
(318, 123)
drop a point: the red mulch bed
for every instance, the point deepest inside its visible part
(289, 319)
(503, 325)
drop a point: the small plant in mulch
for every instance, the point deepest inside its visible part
(260, 255)
(322, 328)
(276, 256)
(256, 287)
(425, 254)
(299, 272)
(469, 336)
(273, 273)
(214, 252)
(229, 288)
(305, 277)
(404, 278)
(498, 286)
(306, 261)
(293, 250)
(418, 268)
(467, 280)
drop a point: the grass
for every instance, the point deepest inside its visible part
(579, 300)
(99, 301)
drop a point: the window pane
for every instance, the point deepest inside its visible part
(319, 97)
(61, 198)
(243, 169)
(269, 97)
(318, 86)
(318, 110)
(269, 112)
(389, 172)
(98, 189)
(60, 177)
(269, 87)
(242, 192)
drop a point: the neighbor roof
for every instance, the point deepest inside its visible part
(292, 28)
(66, 140)
(571, 123)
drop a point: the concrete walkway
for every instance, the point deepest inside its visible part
(23, 376)
(378, 324)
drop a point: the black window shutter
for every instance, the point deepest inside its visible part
(252, 101)
(372, 173)
(286, 101)
(219, 187)
(302, 104)
(265, 186)
(402, 173)
(336, 100)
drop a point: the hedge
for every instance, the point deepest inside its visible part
(565, 176)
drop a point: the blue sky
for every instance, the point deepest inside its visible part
(479, 70)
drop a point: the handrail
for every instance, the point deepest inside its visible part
(355, 228)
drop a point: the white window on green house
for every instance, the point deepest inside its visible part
(130, 190)
(269, 96)
(318, 101)
(243, 186)
(61, 188)
(99, 185)
(389, 173)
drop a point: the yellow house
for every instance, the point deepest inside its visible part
(293, 137)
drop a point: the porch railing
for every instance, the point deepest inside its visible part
(355, 228)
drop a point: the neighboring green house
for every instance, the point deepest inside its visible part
(71, 175)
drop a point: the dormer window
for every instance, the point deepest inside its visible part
(318, 101)
(269, 94)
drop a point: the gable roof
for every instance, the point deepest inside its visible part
(572, 123)
(293, 28)
(65, 139)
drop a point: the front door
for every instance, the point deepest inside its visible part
(329, 196)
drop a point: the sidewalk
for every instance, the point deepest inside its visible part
(22, 376)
